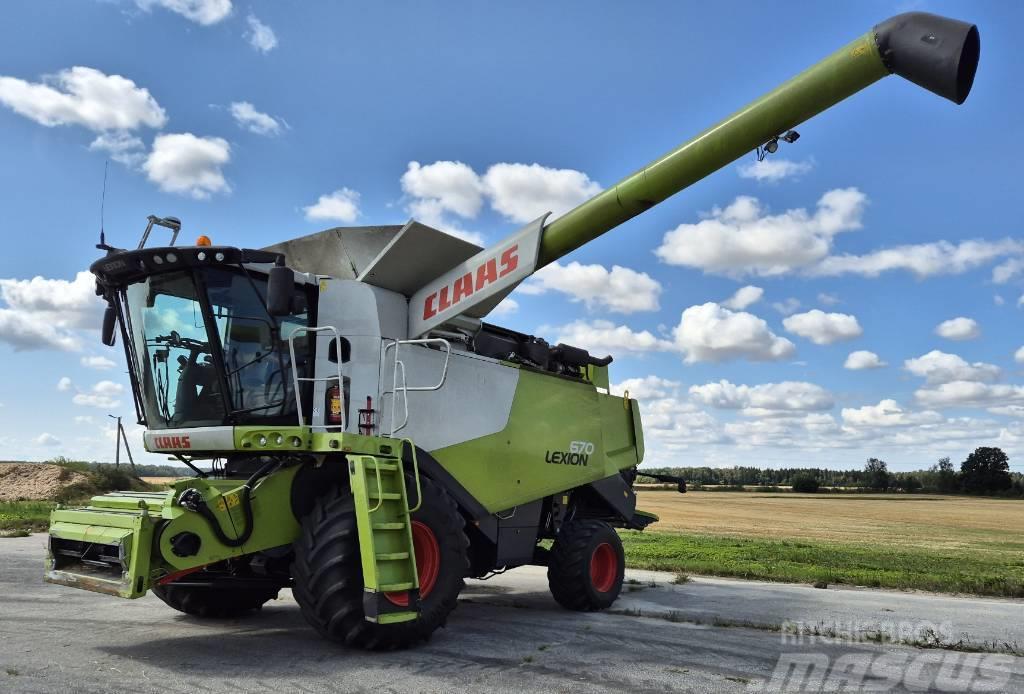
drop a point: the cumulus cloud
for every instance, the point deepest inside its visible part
(340, 206)
(1018, 356)
(44, 313)
(767, 399)
(773, 170)
(940, 367)
(185, 164)
(887, 413)
(711, 332)
(83, 96)
(47, 439)
(787, 307)
(260, 36)
(743, 239)
(969, 393)
(1007, 270)
(450, 185)
(523, 192)
(103, 395)
(646, 387)
(619, 290)
(958, 329)
(605, 337)
(823, 328)
(744, 297)
(248, 118)
(121, 146)
(506, 307)
(64, 384)
(923, 260)
(99, 363)
(863, 359)
(204, 12)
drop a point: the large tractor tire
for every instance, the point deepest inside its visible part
(329, 577)
(586, 565)
(215, 602)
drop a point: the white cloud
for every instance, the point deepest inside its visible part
(923, 260)
(863, 359)
(506, 307)
(47, 439)
(450, 185)
(103, 395)
(941, 367)
(340, 206)
(619, 290)
(64, 384)
(743, 239)
(710, 332)
(186, 164)
(523, 192)
(772, 169)
(787, 307)
(969, 393)
(602, 337)
(248, 118)
(1018, 356)
(121, 146)
(44, 313)
(431, 213)
(260, 36)
(83, 96)
(646, 388)
(828, 299)
(998, 300)
(99, 363)
(767, 399)
(84, 419)
(958, 329)
(204, 12)
(823, 328)
(887, 413)
(1007, 270)
(744, 297)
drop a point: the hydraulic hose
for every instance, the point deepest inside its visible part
(193, 500)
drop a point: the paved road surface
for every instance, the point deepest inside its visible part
(508, 635)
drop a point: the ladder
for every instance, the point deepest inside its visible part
(383, 519)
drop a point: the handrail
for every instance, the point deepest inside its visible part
(405, 388)
(415, 476)
(314, 379)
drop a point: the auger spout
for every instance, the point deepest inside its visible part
(936, 53)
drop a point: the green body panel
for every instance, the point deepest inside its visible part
(845, 72)
(529, 459)
(247, 439)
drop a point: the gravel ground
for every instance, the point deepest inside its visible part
(507, 635)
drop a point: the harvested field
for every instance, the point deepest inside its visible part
(36, 481)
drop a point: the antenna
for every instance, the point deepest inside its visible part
(103, 202)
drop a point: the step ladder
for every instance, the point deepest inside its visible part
(383, 519)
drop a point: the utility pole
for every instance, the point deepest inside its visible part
(122, 436)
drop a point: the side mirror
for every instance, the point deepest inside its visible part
(280, 288)
(109, 323)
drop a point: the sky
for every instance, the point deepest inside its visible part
(855, 295)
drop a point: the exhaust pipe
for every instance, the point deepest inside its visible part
(936, 53)
(933, 52)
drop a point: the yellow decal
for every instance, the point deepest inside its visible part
(859, 51)
(232, 500)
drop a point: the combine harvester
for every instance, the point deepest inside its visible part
(373, 441)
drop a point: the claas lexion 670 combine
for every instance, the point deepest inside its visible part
(373, 441)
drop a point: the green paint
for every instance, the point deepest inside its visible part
(842, 74)
(548, 414)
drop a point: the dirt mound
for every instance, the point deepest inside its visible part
(36, 481)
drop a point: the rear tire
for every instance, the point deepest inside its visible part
(214, 602)
(586, 566)
(329, 577)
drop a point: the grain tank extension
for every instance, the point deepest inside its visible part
(371, 439)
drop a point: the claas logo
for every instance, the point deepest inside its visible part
(489, 272)
(171, 442)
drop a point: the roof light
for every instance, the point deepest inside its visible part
(204, 240)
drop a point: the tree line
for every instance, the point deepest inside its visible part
(985, 471)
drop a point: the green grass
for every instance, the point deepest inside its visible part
(981, 571)
(18, 516)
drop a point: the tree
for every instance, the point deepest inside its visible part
(877, 474)
(986, 470)
(804, 483)
(945, 476)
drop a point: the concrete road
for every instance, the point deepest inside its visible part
(507, 635)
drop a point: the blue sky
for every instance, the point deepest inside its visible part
(258, 121)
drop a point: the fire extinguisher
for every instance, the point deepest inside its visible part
(334, 405)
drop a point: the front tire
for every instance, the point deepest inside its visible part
(586, 566)
(215, 602)
(329, 578)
